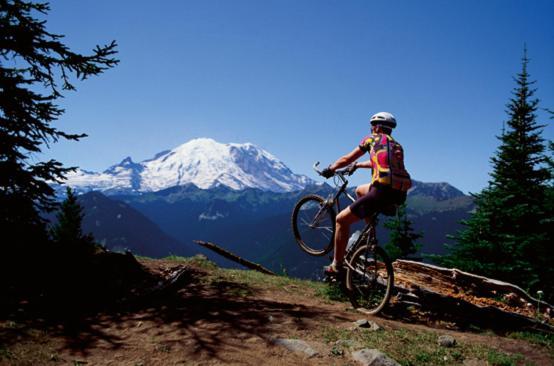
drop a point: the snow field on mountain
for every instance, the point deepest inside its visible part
(203, 162)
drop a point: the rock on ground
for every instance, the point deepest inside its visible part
(446, 341)
(367, 324)
(296, 345)
(373, 357)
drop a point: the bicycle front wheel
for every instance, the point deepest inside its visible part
(370, 280)
(313, 225)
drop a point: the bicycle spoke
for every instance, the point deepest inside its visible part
(326, 236)
(311, 222)
(308, 219)
(360, 290)
(327, 228)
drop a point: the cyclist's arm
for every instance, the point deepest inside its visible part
(365, 164)
(347, 159)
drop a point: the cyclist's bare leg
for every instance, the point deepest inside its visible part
(362, 191)
(344, 219)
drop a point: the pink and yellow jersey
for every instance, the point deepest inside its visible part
(387, 161)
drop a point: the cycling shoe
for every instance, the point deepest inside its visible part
(333, 269)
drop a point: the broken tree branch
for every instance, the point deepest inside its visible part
(235, 258)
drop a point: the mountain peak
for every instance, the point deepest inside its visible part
(127, 161)
(125, 165)
(441, 191)
(201, 140)
(209, 143)
(203, 162)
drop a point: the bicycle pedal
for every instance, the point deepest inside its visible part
(335, 277)
(330, 278)
(327, 279)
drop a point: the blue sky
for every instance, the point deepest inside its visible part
(300, 78)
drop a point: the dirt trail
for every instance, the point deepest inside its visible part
(208, 320)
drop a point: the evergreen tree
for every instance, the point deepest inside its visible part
(68, 229)
(402, 242)
(508, 236)
(35, 67)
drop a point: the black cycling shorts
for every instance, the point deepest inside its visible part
(377, 199)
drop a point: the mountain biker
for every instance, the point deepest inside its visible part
(389, 183)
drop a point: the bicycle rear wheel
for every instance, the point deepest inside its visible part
(370, 280)
(313, 225)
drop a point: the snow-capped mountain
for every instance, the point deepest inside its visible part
(203, 162)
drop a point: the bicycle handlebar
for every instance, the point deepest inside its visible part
(340, 173)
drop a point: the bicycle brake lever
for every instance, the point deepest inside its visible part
(315, 167)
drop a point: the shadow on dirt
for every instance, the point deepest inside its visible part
(204, 314)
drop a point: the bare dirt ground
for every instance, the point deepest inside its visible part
(212, 319)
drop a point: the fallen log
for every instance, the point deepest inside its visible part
(464, 312)
(468, 298)
(235, 258)
(481, 284)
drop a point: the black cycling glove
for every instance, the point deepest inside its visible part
(351, 168)
(327, 173)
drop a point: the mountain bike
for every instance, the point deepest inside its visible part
(369, 276)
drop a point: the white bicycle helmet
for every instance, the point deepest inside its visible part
(383, 119)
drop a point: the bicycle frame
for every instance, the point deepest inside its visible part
(369, 230)
(368, 234)
(342, 190)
